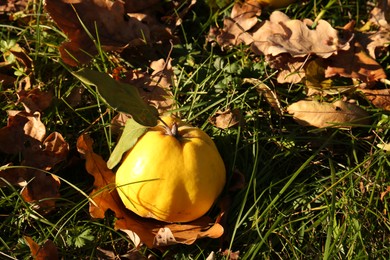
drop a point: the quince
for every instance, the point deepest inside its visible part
(174, 173)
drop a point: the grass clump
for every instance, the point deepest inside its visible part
(308, 193)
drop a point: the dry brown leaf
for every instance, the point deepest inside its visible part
(282, 35)
(53, 149)
(267, 93)
(229, 254)
(25, 134)
(355, 63)
(120, 25)
(378, 41)
(226, 119)
(106, 197)
(44, 252)
(23, 131)
(322, 114)
(380, 14)
(107, 17)
(384, 193)
(6, 80)
(35, 100)
(290, 71)
(118, 122)
(155, 88)
(378, 97)
(42, 190)
(235, 29)
(12, 176)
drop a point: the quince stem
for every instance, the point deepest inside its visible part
(172, 131)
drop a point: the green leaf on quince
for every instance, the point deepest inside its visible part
(131, 133)
(120, 96)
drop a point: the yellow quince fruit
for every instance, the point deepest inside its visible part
(174, 173)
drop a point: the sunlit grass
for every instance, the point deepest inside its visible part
(308, 193)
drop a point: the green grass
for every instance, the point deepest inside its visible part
(308, 194)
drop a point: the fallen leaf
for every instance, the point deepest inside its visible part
(355, 63)
(118, 122)
(16, 176)
(378, 97)
(42, 190)
(23, 131)
(280, 34)
(154, 88)
(44, 252)
(35, 100)
(323, 114)
(118, 26)
(377, 42)
(380, 14)
(226, 119)
(106, 197)
(108, 18)
(315, 75)
(291, 70)
(267, 93)
(25, 135)
(384, 193)
(53, 149)
(229, 254)
(236, 28)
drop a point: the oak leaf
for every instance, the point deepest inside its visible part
(323, 114)
(244, 16)
(280, 34)
(140, 230)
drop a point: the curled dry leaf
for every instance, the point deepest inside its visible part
(226, 119)
(23, 131)
(106, 197)
(384, 193)
(282, 35)
(269, 95)
(323, 114)
(46, 251)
